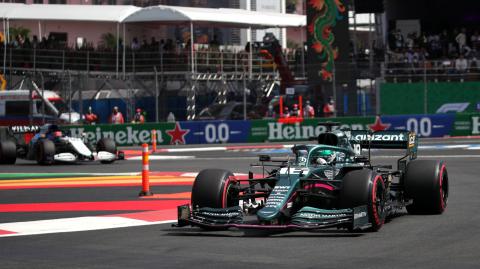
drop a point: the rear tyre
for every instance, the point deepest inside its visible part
(426, 182)
(8, 152)
(364, 187)
(45, 152)
(212, 188)
(108, 145)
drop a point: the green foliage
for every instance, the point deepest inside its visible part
(108, 41)
(19, 31)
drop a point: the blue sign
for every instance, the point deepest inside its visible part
(211, 132)
(435, 125)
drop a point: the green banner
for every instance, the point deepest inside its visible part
(409, 98)
(272, 130)
(466, 125)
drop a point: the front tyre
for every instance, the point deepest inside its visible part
(364, 187)
(426, 182)
(108, 145)
(45, 152)
(213, 188)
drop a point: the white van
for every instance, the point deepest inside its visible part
(15, 108)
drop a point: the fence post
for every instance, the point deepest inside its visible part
(63, 60)
(425, 88)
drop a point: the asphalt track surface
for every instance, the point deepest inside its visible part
(451, 240)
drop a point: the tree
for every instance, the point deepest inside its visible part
(108, 41)
(19, 31)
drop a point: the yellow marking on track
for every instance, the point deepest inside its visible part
(92, 180)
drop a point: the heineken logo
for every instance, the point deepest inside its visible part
(121, 137)
(280, 131)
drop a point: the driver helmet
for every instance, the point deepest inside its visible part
(326, 156)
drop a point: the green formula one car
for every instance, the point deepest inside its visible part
(329, 184)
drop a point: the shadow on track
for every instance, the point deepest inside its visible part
(258, 233)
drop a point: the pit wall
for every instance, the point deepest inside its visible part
(211, 132)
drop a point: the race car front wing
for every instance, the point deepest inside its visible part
(307, 218)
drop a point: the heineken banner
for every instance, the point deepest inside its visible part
(190, 132)
(466, 125)
(210, 132)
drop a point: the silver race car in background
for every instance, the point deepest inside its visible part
(48, 144)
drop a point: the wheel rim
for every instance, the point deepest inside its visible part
(379, 201)
(231, 195)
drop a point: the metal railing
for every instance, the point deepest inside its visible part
(431, 71)
(205, 61)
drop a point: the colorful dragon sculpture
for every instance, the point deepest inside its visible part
(320, 30)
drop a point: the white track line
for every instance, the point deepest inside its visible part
(67, 225)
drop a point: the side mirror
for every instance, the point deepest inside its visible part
(264, 158)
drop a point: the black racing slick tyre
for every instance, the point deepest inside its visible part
(364, 187)
(212, 188)
(45, 152)
(8, 152)
(108, 145)
(426, 182)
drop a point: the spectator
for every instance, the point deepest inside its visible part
(329, 109)
(392, 40)
(410, 41)
(308, 110)
(138, 118)
(214, 44)
(461, 64)
(135, 45)
(295, 112)
(474, 65)
(171, 117)
(168, 45)
(116, 117)
(154, 45)
(271, 112)
(91, 118)
(286, 112)
(475, 41)
(461, 40)
(144, 45)
(399, 41)
(444, 42)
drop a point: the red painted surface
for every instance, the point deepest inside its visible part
(95, 185)
(93, 206)
(157, 215)
(2, 232)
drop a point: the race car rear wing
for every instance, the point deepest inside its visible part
(386, 140)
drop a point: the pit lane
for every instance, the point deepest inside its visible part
(434, 241)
